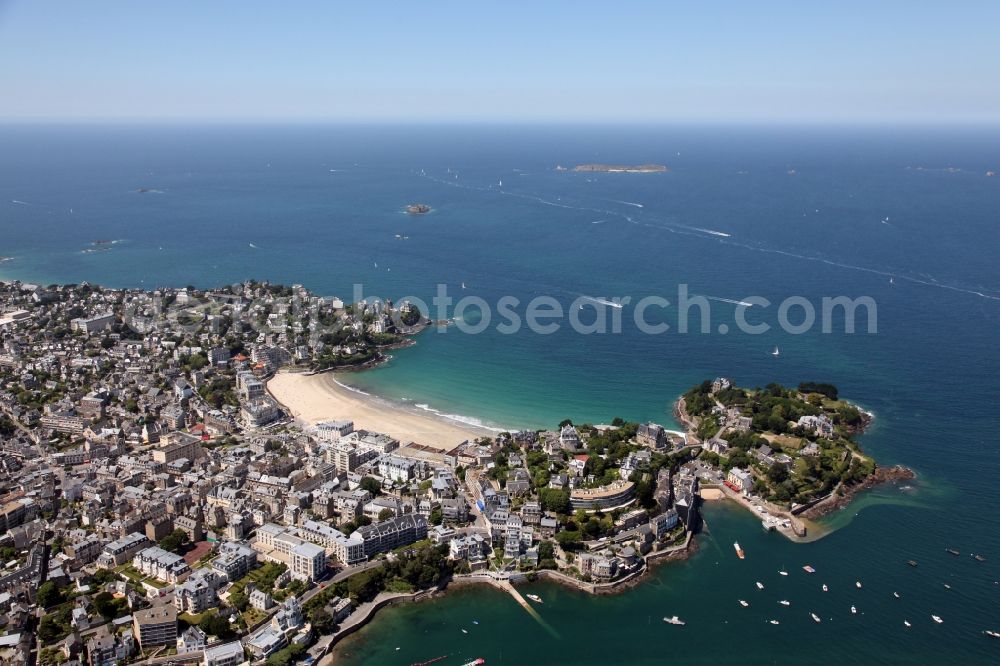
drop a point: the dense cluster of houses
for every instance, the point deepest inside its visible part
(142, 458)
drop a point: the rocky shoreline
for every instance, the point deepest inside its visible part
(838, 501)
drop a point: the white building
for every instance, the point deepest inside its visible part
(332, 431)
(396, 468)
(226, 654)
(308, 561)
(740, 479)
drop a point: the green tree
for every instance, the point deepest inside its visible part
(644, 494)
(51, 656)
(371, 485)
(568, 540)
(215, 625)
(385, 514)
(365, 585)
(175, 541)
(777, 473)
(49, 594)
(554, 499)
(239, 600)
(322, 621)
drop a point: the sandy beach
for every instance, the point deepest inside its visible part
(314, 398)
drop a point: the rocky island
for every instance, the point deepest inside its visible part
(418, 209)
(618, 168)
(782, 451)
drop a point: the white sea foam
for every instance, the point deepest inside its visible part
(458, 418)
(723, 234)
(19, 202)
(349, 388)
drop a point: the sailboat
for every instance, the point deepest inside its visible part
(500, 184)
(776, 352)
(463, 285)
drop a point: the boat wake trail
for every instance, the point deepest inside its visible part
(602, 301)
(723, 234)
(727, 238)
(929, 281)
(729, 300)
(673, 227)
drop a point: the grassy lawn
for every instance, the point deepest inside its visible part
(195, 618)
(252, 616)
(129, 572)
(785, 441)
(413, 546)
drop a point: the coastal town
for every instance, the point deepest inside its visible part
(167, 498)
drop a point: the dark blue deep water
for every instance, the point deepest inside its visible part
(907, 217)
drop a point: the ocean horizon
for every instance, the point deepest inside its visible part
(906, 216)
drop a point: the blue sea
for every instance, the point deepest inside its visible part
(905, 216)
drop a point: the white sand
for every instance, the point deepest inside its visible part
(314, 398)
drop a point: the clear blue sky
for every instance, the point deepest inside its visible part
(746, 60)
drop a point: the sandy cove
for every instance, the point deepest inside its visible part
(311, 398)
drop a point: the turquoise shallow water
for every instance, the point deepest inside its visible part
(810, 212)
